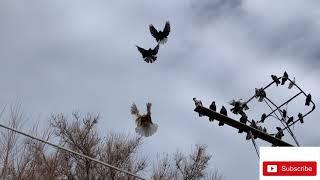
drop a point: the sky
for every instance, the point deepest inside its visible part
(66, 56)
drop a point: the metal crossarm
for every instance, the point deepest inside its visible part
(238, 125)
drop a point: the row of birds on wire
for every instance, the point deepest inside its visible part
(239, 106)
(144, 124)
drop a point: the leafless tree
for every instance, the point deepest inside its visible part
(23, 158)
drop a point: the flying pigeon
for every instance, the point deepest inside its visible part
(160, 36)
(197, 103)
(223, 111)
(239, 106)
(275, 79)
(308, 100)
(300, 116)
(284, 78)
(213, 108)
(145, 126)
(263, 117)
(243, 119)
(292, 83)
(149, 55)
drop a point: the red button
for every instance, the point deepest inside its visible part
(289, 168)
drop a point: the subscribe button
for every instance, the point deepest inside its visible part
(289, 168)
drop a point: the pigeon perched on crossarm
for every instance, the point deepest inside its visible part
(223, 111)
(160, 36)
(149, 55)
(197, 103)
(145, 126)
(213, 108)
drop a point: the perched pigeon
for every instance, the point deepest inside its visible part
(145, 126)
(197, 103)
(261, 94)
(300, 116)
(254, 125)
(264, 129)
(275, 79)
(243, 119)
(284, 114)
(223, 111)
(263, 117)
(308, 100)
(292, 83)
(213, 108)
(160, 36)
(284, 78)
(149, 55)
(290, 120)
(279, 134)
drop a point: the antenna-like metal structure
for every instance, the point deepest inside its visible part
(254, 130)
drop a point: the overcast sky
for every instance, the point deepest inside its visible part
(62, 56)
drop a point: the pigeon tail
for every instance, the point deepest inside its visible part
(150, 59)
(147, 131)
(163, 41)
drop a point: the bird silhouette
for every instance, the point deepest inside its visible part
(308, 100)
(260, 93)
(275, 79)
(292, 83)
(149, 55)
(243, 119)
(145, 126)
(284, 114)
(300, 116)
(160, 36)
(263, 117)
(213, 108)
(290, 120)
(197, 103)
(284, 78)
(223, 111)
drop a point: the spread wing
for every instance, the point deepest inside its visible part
(149, 108)
(142, 51)
(155, 50)
(166, 29)
(135, 111)
(153, 31)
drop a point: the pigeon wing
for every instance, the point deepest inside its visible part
(153, 31)
(135, 111)
(142, 51)
(166, 29)
(155, 50)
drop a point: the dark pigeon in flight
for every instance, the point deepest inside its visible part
(275, 79)
(308, 100)
(160, 36)
(213, 108)
(149, 55)
(284, 78)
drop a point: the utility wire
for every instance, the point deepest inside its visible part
(73, 152)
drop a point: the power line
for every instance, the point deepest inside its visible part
(70, 151)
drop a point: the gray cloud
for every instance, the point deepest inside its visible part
(65, 56)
